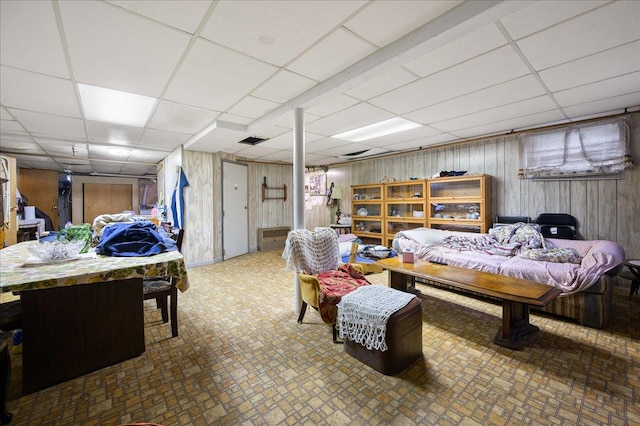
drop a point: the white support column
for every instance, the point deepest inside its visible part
(298, 189)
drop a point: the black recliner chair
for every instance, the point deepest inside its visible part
(558, 225)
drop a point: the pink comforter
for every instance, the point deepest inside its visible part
(598, 257)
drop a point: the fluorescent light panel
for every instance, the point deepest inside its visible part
(115, 106)
(383, 128)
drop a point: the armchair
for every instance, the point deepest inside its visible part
(323, 278)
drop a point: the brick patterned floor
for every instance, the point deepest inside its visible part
(241, 358)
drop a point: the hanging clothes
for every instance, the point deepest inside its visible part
(177, 199)
(64, 207)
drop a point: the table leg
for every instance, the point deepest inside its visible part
(515, 324)
(401, 281)
(5, 374)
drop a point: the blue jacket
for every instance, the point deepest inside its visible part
(132, 239)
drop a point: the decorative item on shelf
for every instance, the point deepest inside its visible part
(336, 196)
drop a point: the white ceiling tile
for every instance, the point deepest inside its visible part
(356, 116)
(54, 125)
(331, 55)
(600, 90)
(181, 118)
(113, 133)
(116, 49)
(106, 167)
(68, 163)
(279, 156)
(286, 120)
(603, 106)
(147, 156)
(543, 14)
(333, 105)
(611, 63)
(257, 151)
(501, 94)
(323, 145)
(343, 149)
(275, 31)
(162, 139)
(68, 150)
(236, 119)
(459, 50)
(503, 127)
(601, 29)
(10, 125)
(215, 78)
(499, 114)
(385, 21)
(33, 162)
(28, 147)
(22, 137)
(284, 86)
(184, 14)
(139, 169)
(318, 160)
(285, 140)
(77, 168)
(267, 131)
(30, 38)
(4, 114)
(422, 142)
(252, 107)
(492, 68)
(388, 81)
(37, 92)
(106, 153)
(217, 140)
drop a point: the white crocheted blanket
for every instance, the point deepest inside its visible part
(312, 252)
(363, 314)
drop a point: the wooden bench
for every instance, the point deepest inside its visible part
(516, 294)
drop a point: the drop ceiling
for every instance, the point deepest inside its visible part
(461, 69)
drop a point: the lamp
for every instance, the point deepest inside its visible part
(336, 195)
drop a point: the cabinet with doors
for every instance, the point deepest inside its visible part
(404, 207)
(367, 212)
(460, 203)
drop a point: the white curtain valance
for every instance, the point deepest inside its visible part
(594, 148)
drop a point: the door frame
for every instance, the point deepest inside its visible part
(222, 204)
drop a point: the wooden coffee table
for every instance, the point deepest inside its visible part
(516, 294)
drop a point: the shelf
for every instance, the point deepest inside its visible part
(281, 192)
(460, 203)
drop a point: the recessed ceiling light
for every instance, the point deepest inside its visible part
(115, 106)
(383, 128)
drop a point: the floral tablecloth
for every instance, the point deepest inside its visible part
(18, 275)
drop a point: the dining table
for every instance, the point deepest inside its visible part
(83, 313)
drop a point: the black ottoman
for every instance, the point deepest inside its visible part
(403, 338)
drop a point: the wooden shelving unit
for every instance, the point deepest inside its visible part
(405, 205)
(460, 203)
(367, 213)
(269, 191)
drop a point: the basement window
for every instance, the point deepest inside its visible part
(588, 149)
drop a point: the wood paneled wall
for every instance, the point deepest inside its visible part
(605, 209)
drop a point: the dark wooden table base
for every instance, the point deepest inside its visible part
(70, 331)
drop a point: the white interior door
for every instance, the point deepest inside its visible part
(235, 215)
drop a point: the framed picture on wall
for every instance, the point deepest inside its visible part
(318, 185)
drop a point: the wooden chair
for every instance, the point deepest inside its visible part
(162, 289)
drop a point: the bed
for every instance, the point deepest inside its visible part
(582, 269)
